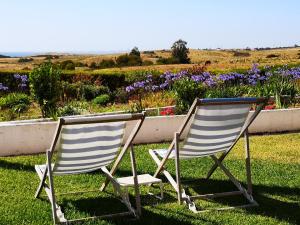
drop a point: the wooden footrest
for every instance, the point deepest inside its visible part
(143, 179)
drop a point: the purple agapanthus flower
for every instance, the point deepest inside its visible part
(22, 80)
(129, 88)
(254, 69)
(3, 87)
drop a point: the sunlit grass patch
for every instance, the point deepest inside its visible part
(283, 148)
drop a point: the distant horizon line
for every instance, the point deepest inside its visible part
(107, 52)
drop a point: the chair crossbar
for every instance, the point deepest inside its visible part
(216, 195)
(101, 119)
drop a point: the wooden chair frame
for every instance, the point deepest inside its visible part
(176, 184)
(57, 214)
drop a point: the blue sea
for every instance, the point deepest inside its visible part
(18, 54)
(25, 54)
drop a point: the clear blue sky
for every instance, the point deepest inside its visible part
(114, 25)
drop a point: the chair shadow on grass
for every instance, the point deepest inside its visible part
(4, 164)
(268, 206)
(103, 205)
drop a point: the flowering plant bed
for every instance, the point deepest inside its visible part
(256, 82)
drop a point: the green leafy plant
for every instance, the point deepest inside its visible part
(89, 91)
(70, 90)
(15, 103)
(46, 87)
(19, 100)
(282, 85)
(120, 96)
(102, 100)
(224, 91)
(186, 90)
(107, 63)
(71, 109)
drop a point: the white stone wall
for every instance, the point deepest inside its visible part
(29, 137)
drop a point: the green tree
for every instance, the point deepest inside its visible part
(46, 86)
(180, 51)
(135, 52)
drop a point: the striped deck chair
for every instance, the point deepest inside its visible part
(215, 127)
(86, 144)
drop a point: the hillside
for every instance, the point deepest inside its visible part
(220, 59)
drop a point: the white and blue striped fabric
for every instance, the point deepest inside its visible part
(88, 147)
(214, 129)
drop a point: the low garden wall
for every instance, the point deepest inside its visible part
(35, 136)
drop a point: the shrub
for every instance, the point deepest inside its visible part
(113, 81)
(93, 65)
(15, 102)
(147, 63)
(71, 90)
(272, 56)
(80, 64)
(121, 96)
(89, 92)
(49, 57)
(67, 65)
(24, 60)
(122, 60)
(70, 66)
(241, 54)
(170, 60)
(46, 87)
(102, 100)
(186, 90)
(129, 60)
(107, 63)
(69, 110)
(135, 60)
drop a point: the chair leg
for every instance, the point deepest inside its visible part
(41, 185)
(247, 161)
(161, 186)
(136, 184)
(52, 194)
(177, 164)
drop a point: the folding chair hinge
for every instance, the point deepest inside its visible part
(187, 200)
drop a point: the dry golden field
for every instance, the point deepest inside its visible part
(220, 60)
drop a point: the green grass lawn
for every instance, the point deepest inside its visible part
(276, 184)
